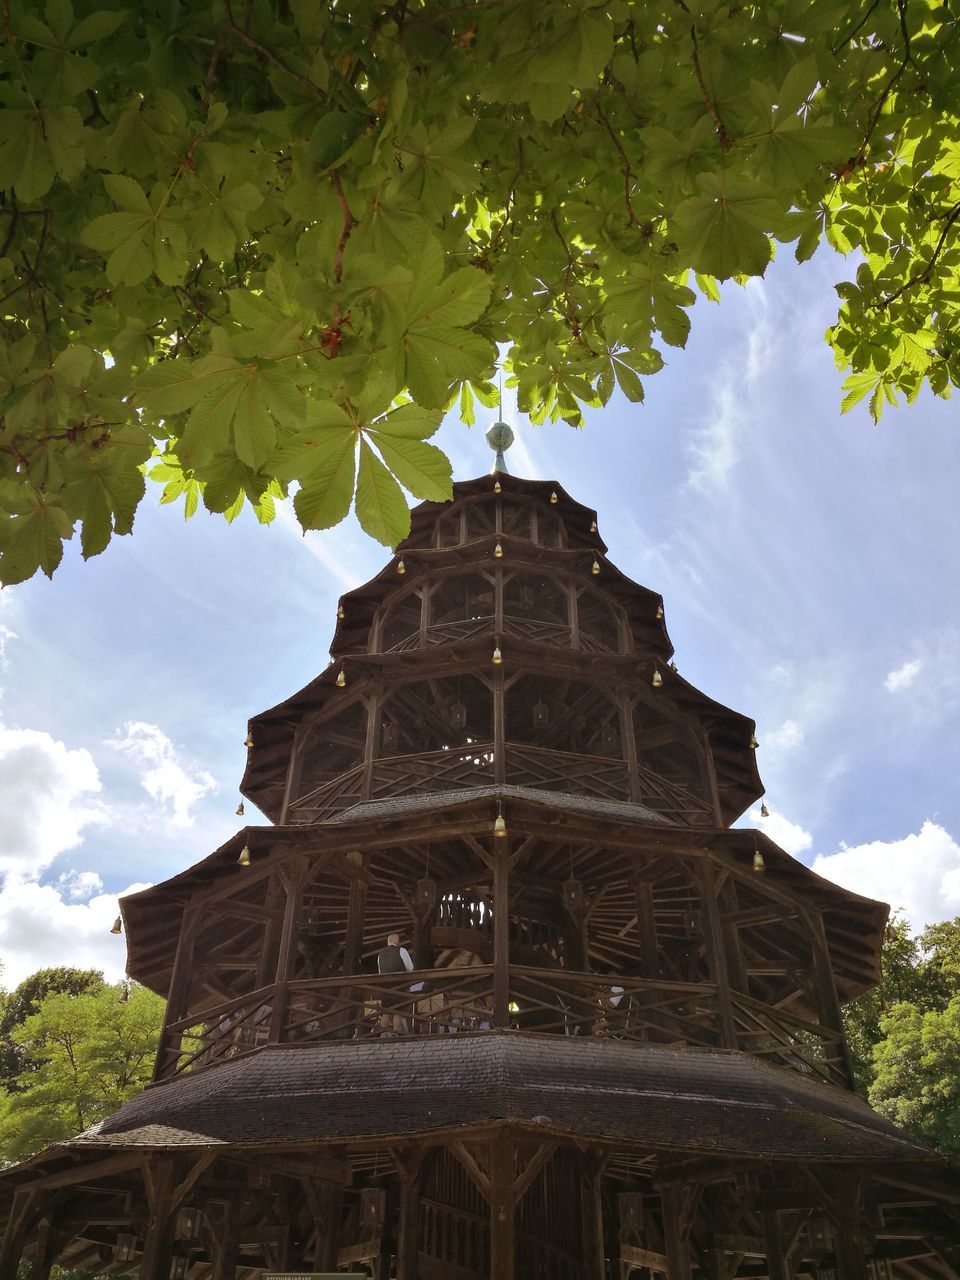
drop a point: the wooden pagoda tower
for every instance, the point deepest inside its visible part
(619, 1054)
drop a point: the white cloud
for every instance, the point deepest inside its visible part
(919, 874)
(904, 676)
(788, 835)
(172, 782)
(786, 737)
(48, 795)
(39, 929)
(714, 450)
(79, 885)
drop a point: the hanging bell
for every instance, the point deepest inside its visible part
(499, 827)
(593, 526)
(657, 680)
(553, 498)
(341, 612)
(388, 735)
(764, 811)
(244, 859)
(341, 680)
(401, 568)
(117, 926)
(753, 742)
(239, 809)
(458, 716)
(497, 657)
(659, 613)
(526, 598)
(497, 487)
(498, 551)
(758, 862)
(248, 741)
(595, 568)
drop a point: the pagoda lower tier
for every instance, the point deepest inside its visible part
(502, 1155)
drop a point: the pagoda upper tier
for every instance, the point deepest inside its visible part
(500, 645)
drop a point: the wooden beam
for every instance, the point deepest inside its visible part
(408, 1244)
(778, 1262)
(501, 936)
(22, 1210)
(227, 1248)
(501, 1207)
(157, 1246)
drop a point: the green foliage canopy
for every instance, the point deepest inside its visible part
(253, 245)
(88, 1054)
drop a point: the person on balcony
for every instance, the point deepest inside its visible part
(393, 958)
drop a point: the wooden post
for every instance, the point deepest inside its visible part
(228, 1243)
(267, 960)
(49, 1243)
(502, 1207)
(157, 1246)
(372, 742)
(736, 969)
(180, 981)
(830, 1011)
(328, 1241)
(501, 933)
(293, 877)
(676, 1232)
(630, 753)
(356, 912)
(778, 1263)
(716, 957)
(18, 1224)
(382, 1268)
(646, 927)
(594, 1252)
(294, 766)
(408, 1246)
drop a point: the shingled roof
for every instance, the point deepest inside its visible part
(649, 1096)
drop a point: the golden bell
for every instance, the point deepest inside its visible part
(499, 827)
(497, 487)
(244, 859)
(117, 926)
(497, 657)
(341, 612)
(240, 809)
(758, 862)
(248, 741)
(341, 680)
(498, 551)
(593, 526)
(659, 613)
(553, 497)
(595, 568)
(753, 742)
(657, 680)
(401, 567)
(764, 811)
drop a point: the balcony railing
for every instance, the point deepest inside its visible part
(440, 1002)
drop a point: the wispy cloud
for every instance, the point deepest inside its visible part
(904, 676)
(176, 783)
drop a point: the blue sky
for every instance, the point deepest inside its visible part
(810, 570)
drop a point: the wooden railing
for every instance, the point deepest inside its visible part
(460, 1001)
(550, 631)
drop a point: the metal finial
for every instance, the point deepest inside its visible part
(500, 437)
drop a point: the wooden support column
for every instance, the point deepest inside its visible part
(630, 752)
(646, 927)
(178, 993)
(328, 1227)
(49, 1243)
(382, 1268)
(269, 951)
(831, 1013)
(716, 956)
(594, 1251)
(408, 1244)
(502, 1201)
(846, 1210)
(228, 1243)
(157, 1246)
(294, 766)
(736, 969)
(356, 913)
(293, 876)
(372, 741)
(677, 1219)
(778, 1263)
(18, 1225)
(501, 933)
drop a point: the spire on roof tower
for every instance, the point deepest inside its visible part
(500, 437)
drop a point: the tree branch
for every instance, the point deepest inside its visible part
(245, 38)
(921, 277)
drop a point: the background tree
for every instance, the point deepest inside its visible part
(24, 1001)
(273, 242)
(91, 1052)
(904, 1036)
